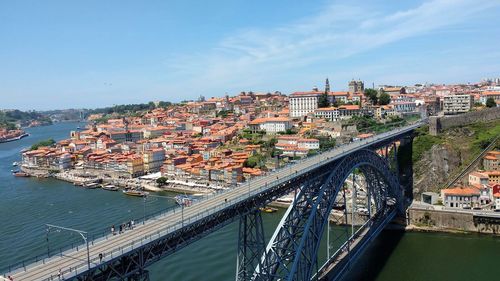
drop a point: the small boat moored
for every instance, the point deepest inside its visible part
(15, 164)
(268, 209)
(137, 193)
(92, 185)
(110, 187)
(20, 174)
(183, 200)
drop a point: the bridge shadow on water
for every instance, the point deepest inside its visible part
(373, 260)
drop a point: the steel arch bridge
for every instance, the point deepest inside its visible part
(318, 185)
(293, 250)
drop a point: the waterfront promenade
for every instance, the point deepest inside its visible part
(74, 261)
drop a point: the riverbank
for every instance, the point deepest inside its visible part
(3, 140)
(81, 178)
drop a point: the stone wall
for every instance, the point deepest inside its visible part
(452, 220)
(438, 124)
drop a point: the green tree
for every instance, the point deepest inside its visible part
(372, 95)
(490, 102)
(323, 100)
(39, 144)
(384, 99)
(161, 181)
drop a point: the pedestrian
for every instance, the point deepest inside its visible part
(121, 229)
(100, 257)
(132, 224)
(10, 278)
(129, 225)
(113, 229)
(60, 275)
(225, 200)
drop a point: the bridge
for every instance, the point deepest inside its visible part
(319, 186)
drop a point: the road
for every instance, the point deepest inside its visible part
(73, 262)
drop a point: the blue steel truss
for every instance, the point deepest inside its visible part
(292, 252)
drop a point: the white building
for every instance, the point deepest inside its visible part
(308, 143)
(467, 197)
(497, 201)
(404, 106)
(456, 104)
(328, 113)
(271, 125)
(302, 103)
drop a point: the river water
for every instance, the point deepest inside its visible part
(27, 204)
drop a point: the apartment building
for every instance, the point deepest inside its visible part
(457, 104)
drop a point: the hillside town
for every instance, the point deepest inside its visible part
(223, 141)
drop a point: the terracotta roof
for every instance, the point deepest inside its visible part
(461, 191)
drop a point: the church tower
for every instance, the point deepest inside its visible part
(327, 86)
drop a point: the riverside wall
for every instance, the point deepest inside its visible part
(452, 221)
(439, 123)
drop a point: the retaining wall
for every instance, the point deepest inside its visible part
(439, 123)
(452, 220)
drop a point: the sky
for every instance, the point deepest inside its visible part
(87, 54)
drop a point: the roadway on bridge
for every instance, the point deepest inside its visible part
(121, 243)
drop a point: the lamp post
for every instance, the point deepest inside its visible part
(83, 234)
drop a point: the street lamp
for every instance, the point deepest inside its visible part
(83, 234)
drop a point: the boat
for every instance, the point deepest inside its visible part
(110, 187)
(14, 164)
(183, 200)
(20, 174)
(268, 209)
(137, 193)
(92, 185)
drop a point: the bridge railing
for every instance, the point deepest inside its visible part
(316, 160)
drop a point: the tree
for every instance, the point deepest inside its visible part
(39, 144)
(384, 99)
(371, 94)
(161, 181)
(490, 102)
(323, 100)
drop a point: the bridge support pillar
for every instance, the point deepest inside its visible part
(251, 245)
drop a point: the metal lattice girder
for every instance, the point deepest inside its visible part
(292, 252)
(251, 245)
(273, 264)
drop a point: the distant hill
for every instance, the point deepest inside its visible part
(12, 118)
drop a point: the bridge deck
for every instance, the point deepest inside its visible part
(119, 244)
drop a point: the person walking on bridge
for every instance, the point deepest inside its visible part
(100, 257)
(113, 229)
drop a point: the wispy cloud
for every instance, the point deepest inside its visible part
(254, 57)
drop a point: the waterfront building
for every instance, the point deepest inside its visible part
(153, 160)
(497, 201)
(460, 197)
(456, 104)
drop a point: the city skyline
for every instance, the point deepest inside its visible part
(61, 55)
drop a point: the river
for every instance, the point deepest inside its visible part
(27, 204)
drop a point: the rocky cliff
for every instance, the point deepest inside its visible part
(436, 159)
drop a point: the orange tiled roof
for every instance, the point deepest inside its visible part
(461, 191)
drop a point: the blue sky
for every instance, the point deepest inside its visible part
(73, 54)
